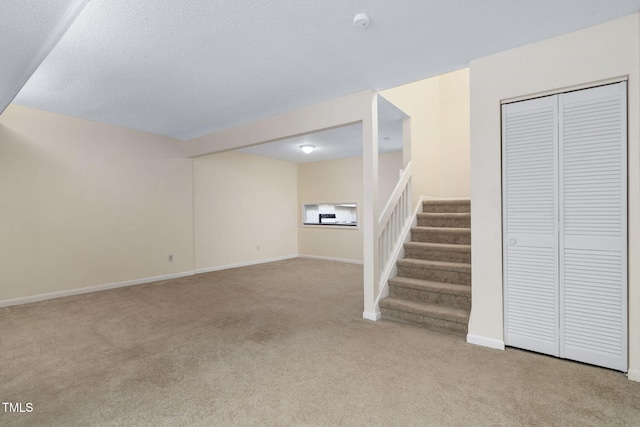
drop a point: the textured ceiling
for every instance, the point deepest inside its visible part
(187, 68)
(28, 32)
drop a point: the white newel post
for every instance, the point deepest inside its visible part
(371, 256)
(406, 141)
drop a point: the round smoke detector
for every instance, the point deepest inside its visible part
(361, 20)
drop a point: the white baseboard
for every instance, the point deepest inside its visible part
(89, 289)
(634, 374)
(485, 342)
(325, 258)
(375, 316)
(243, 264)
(97, 288)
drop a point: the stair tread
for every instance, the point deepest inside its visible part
(444, 214)
(443, 229)
(440, 265)
(440, 246)
(447, 201)
(446, 206)
(458, 315)
(430, 285)
(423, 293)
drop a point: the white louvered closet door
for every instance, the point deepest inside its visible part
(530, 140)
(593, 226)
(565, 225)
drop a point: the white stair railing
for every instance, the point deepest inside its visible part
(393, 226)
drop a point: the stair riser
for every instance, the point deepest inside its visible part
(434, 207)
(444, 222)
(436, 255)
(449, 300)
(435, 275)
(436, 236)
(440, 325)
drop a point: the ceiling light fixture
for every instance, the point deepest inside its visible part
(308, 148)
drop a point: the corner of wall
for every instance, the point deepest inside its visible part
(485, 342)
(634, 375)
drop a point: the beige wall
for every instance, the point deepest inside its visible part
(389, 166)
(454, 172)
(242, 201)
(339, 181)
(88, 204)
(581, 58)
(330, 181)
(439, 110)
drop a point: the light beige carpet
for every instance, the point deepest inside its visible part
(277, 344)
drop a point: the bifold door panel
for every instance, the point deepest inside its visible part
(565, 225)
(530, 199)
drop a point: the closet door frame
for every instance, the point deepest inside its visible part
(559, 228)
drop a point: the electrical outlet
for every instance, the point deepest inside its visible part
(258, 248)
(170, 258)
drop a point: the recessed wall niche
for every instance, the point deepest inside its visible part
(336, 214)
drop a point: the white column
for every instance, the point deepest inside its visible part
(406, 141)
(369, 210)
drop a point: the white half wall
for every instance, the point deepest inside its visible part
(587, 57)
(86, 204)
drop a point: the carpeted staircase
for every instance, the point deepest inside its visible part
(433, 286)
